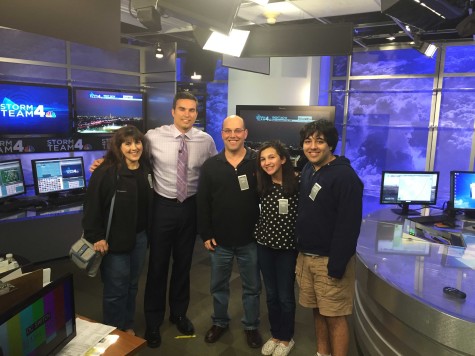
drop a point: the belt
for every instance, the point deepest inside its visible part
(175, 200)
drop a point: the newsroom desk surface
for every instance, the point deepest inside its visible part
(399, 302)
(41, 235)
(125, 345)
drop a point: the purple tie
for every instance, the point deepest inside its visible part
(181, 171)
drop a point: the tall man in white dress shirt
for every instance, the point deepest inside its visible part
(174, 221)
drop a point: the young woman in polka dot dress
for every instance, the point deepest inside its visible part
(277, 186)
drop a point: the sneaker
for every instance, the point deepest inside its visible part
(282, 350)
(269, 347)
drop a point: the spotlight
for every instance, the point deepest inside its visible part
(427, 49)
(159, 52)
(196, 76)
(231, 45)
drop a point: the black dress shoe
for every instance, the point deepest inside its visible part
(183, 324)
(214, 334)
(254, 338)
(153, 338)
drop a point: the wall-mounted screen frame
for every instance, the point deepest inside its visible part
(103, 111)
(282, 122)
(28, 109)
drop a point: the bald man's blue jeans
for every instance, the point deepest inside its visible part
(221, 269)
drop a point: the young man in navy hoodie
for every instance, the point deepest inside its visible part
(328, 226)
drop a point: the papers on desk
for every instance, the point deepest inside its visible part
(88, 335)
(18, 273)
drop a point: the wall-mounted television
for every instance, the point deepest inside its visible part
(12, 182)
(282, 122)
(54, 176)
(34, 110)
(99, 111)
(404, 188)
(462, 192)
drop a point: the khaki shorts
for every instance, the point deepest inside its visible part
(333, 297)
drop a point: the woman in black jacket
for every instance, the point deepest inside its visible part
(126, 173)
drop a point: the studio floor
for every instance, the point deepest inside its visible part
(88, 296)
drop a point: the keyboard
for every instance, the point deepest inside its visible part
(66, 200)
(432, 219)
(21, 204)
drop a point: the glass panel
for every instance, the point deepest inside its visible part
(455, 133)
(33, 73)
(24, 45)
(460, 59)
(339, 66)
(216, 110)
(401, 61)
(338, 101)
(104, 80)
(387, 129)
(127, 59)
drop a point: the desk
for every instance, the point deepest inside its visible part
(400, 308)
(126, 344)
(41, 235)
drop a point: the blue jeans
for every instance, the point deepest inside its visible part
(221, 268)
(278, 272)
(120, 276)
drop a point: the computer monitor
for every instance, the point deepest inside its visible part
(100, 111)
(462, 192)
(41, 324)
(55, 176)
(12, 182)
(404, 188)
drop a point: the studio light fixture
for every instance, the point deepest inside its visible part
(428, 49)
(195, 76)
(159, 52)
(231, 45)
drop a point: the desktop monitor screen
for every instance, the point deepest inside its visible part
(32, 109)
(404, 188)
(105, 111)
(462, 191)
(11, 179)
(58, 175)
(41, 324)
(266, 122)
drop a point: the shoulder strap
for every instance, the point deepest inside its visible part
(111, 211)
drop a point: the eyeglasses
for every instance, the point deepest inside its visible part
(235, 131)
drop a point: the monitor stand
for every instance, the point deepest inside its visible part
(405, 211)
(470, 214)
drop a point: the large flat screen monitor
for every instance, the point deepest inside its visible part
(54, 176)
(34, 110)
(404, 188)
(269, 122)
(12, 182)
(462, 192)
(41, 324)
(98, 111)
